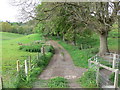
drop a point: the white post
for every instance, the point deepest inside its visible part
(96, 59)
(116, 78)
(26, 68)
(1, 86)
(42, 49)
(114, 61)
(18, 65)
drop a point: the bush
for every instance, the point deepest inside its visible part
(31, 47)
(49, 49)
(36, 48)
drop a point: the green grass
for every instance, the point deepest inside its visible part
(58, 82)
(9, 36)
(39, 65)
(88, 80)
(11, 52)
(80, 57)
(113, 42)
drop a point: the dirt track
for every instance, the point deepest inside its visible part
(62, 65)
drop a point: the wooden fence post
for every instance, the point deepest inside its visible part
(29, 63)
(26, 68)
(18, 66)
(114, 61)
(1, 83)
(116, 78)
(89, 63)
(43, 50)
(97, 74)
(81, 46)
(96, 59)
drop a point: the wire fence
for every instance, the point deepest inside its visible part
(104, 80)
(23, 68)
(109, 59)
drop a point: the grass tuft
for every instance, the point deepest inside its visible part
(58, 82)
(88, 80)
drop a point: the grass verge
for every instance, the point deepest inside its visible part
(58, 82)
(88, 80)
(80, 57)
(39, 65)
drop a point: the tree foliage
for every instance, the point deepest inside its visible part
(16, 28)
(69, 19)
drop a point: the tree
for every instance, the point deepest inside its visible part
(98, 16)
(6, 27)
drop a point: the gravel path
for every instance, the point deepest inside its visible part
(62, 65)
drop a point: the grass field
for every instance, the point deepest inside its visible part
(11, 52)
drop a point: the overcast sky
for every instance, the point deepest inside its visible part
(7, 11)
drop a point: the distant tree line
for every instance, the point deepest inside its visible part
(15, 27)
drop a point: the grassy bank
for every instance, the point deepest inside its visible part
(11, 52)
(80, 57)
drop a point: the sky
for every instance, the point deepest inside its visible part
(7, 11)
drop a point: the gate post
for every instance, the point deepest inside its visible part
(89, 63)
(114, 61)
(26, 68)
(18, 66)
(116, 78)
(97, 74)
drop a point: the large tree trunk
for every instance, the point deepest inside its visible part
(103, 44)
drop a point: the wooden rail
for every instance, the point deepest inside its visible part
(101, 65)
(108, 68)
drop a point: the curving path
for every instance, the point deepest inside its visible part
(62, 65)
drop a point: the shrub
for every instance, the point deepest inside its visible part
(49, 49)
(36, 48)
(31, 47)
